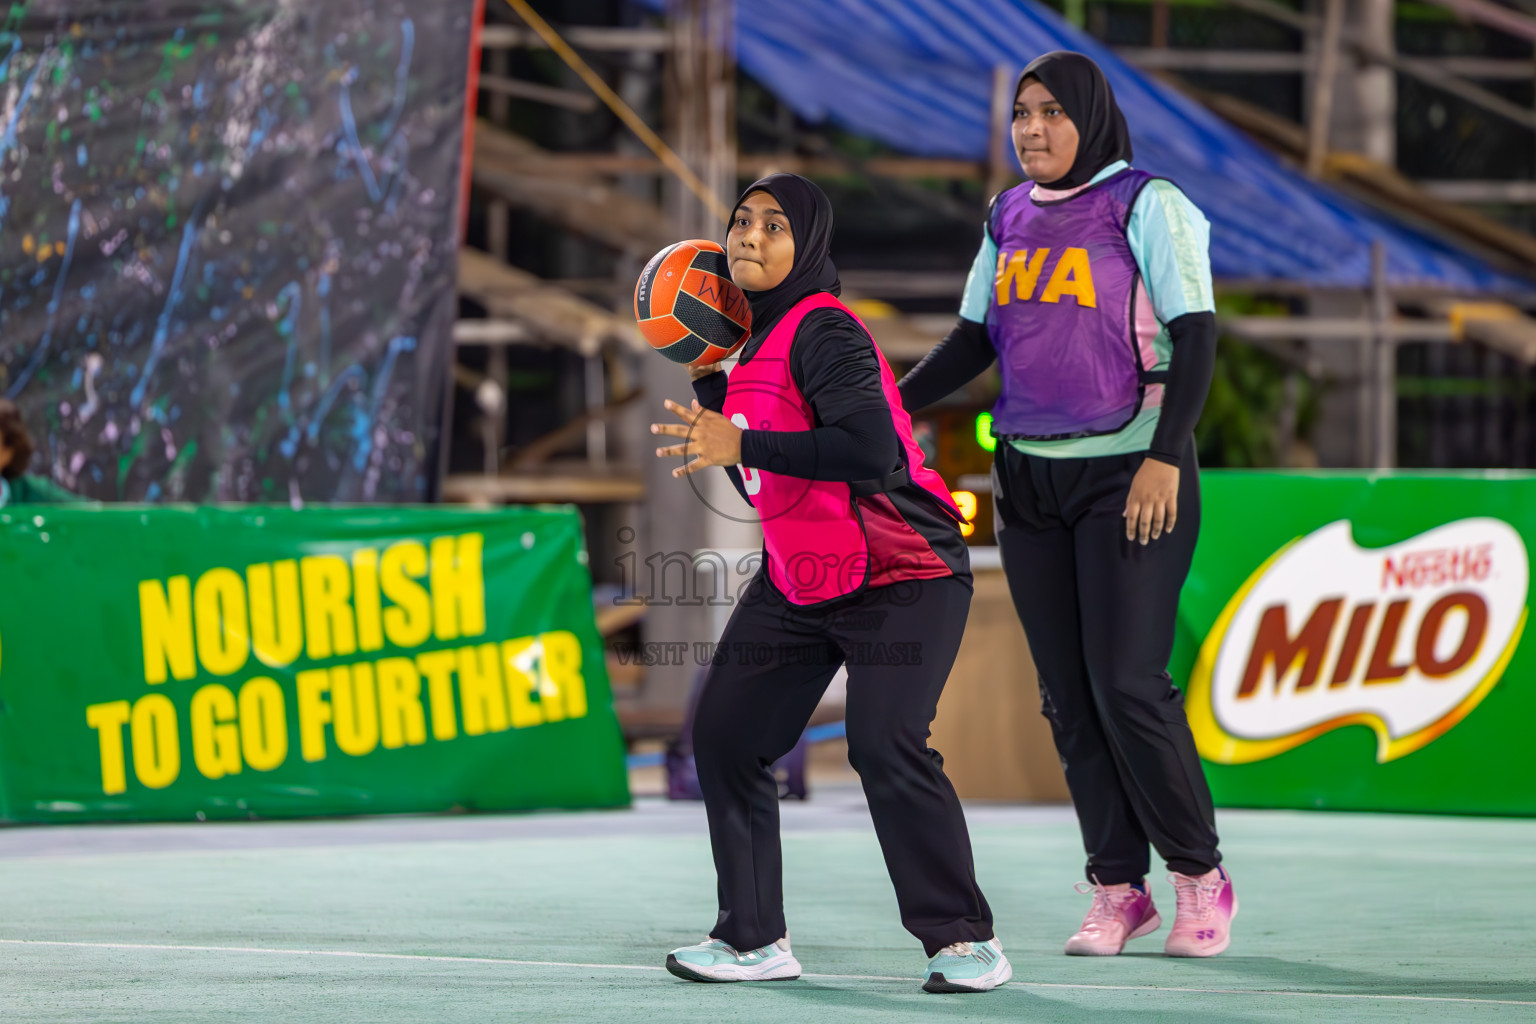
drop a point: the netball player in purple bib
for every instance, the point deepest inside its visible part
(863, 563)
(1093, 292)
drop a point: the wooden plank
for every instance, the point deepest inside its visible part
(1514, 336)
(514, 169)
(1375, 182)
(903, 338)
(1426, 71)
(760, 164)
(516, 298)
(492, 332)
(550, 312)
(1339, 329)
(588, 165)
(1251, 62)
(756, 165)
(1320, 113)
(497, 490)
(540, 450)
(1492, 15)
(1001, 158)
(1497, 325)
(613, 618)
(1383, 363)
(1505, 69)
(1281, 62)
(593, 209)
(1482, 191)
(1390, 185)
(583, 37)
(499, 85)
(576, 196)
(1161, 19)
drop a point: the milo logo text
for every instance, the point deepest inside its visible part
(1019, 272)
(1406, 640)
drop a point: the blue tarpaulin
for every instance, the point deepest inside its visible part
(917, 75)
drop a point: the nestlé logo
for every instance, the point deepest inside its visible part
(1406, 639)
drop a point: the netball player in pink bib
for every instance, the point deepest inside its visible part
(863, 564)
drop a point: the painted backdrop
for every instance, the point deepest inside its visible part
(227, 242)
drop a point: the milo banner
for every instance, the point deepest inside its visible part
(1359, 641)
(177, 663)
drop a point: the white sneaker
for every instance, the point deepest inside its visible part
(713, 960)
(967, 967)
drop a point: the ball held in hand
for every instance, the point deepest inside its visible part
(688, 307)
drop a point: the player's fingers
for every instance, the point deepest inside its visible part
(1144, 523)
(1159, 516)
(685, 415)
(671, 429)
(1132, 513)
(1173, 515)
(676, 449)
(692, 467)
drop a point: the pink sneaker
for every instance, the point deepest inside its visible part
(1119, 912)
(1202, 925)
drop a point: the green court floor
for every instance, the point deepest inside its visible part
(567, 917)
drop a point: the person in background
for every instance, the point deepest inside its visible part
(16, 486)
(1092, 290)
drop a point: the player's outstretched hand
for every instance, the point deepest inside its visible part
(713, 438)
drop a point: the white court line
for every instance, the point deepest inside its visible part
(425, 958)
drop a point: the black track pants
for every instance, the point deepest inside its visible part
(773, 664)
(1099, 612)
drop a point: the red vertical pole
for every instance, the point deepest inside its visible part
(471, 102)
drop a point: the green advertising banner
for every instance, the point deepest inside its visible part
(178, 663)
(1358, 641)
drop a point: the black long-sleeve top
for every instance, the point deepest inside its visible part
(832, 361)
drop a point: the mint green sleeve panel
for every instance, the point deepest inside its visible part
(1171, 241)
(978, 284)
(1136, 437)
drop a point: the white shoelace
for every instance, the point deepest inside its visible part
(1106, 902)
(1196, 895)
(782, 946)
(963, 949)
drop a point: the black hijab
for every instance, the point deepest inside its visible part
(1085, 94)
(810, 221)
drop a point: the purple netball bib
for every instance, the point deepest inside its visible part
(1062, 312)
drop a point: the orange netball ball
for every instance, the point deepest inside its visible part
(688, 307)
